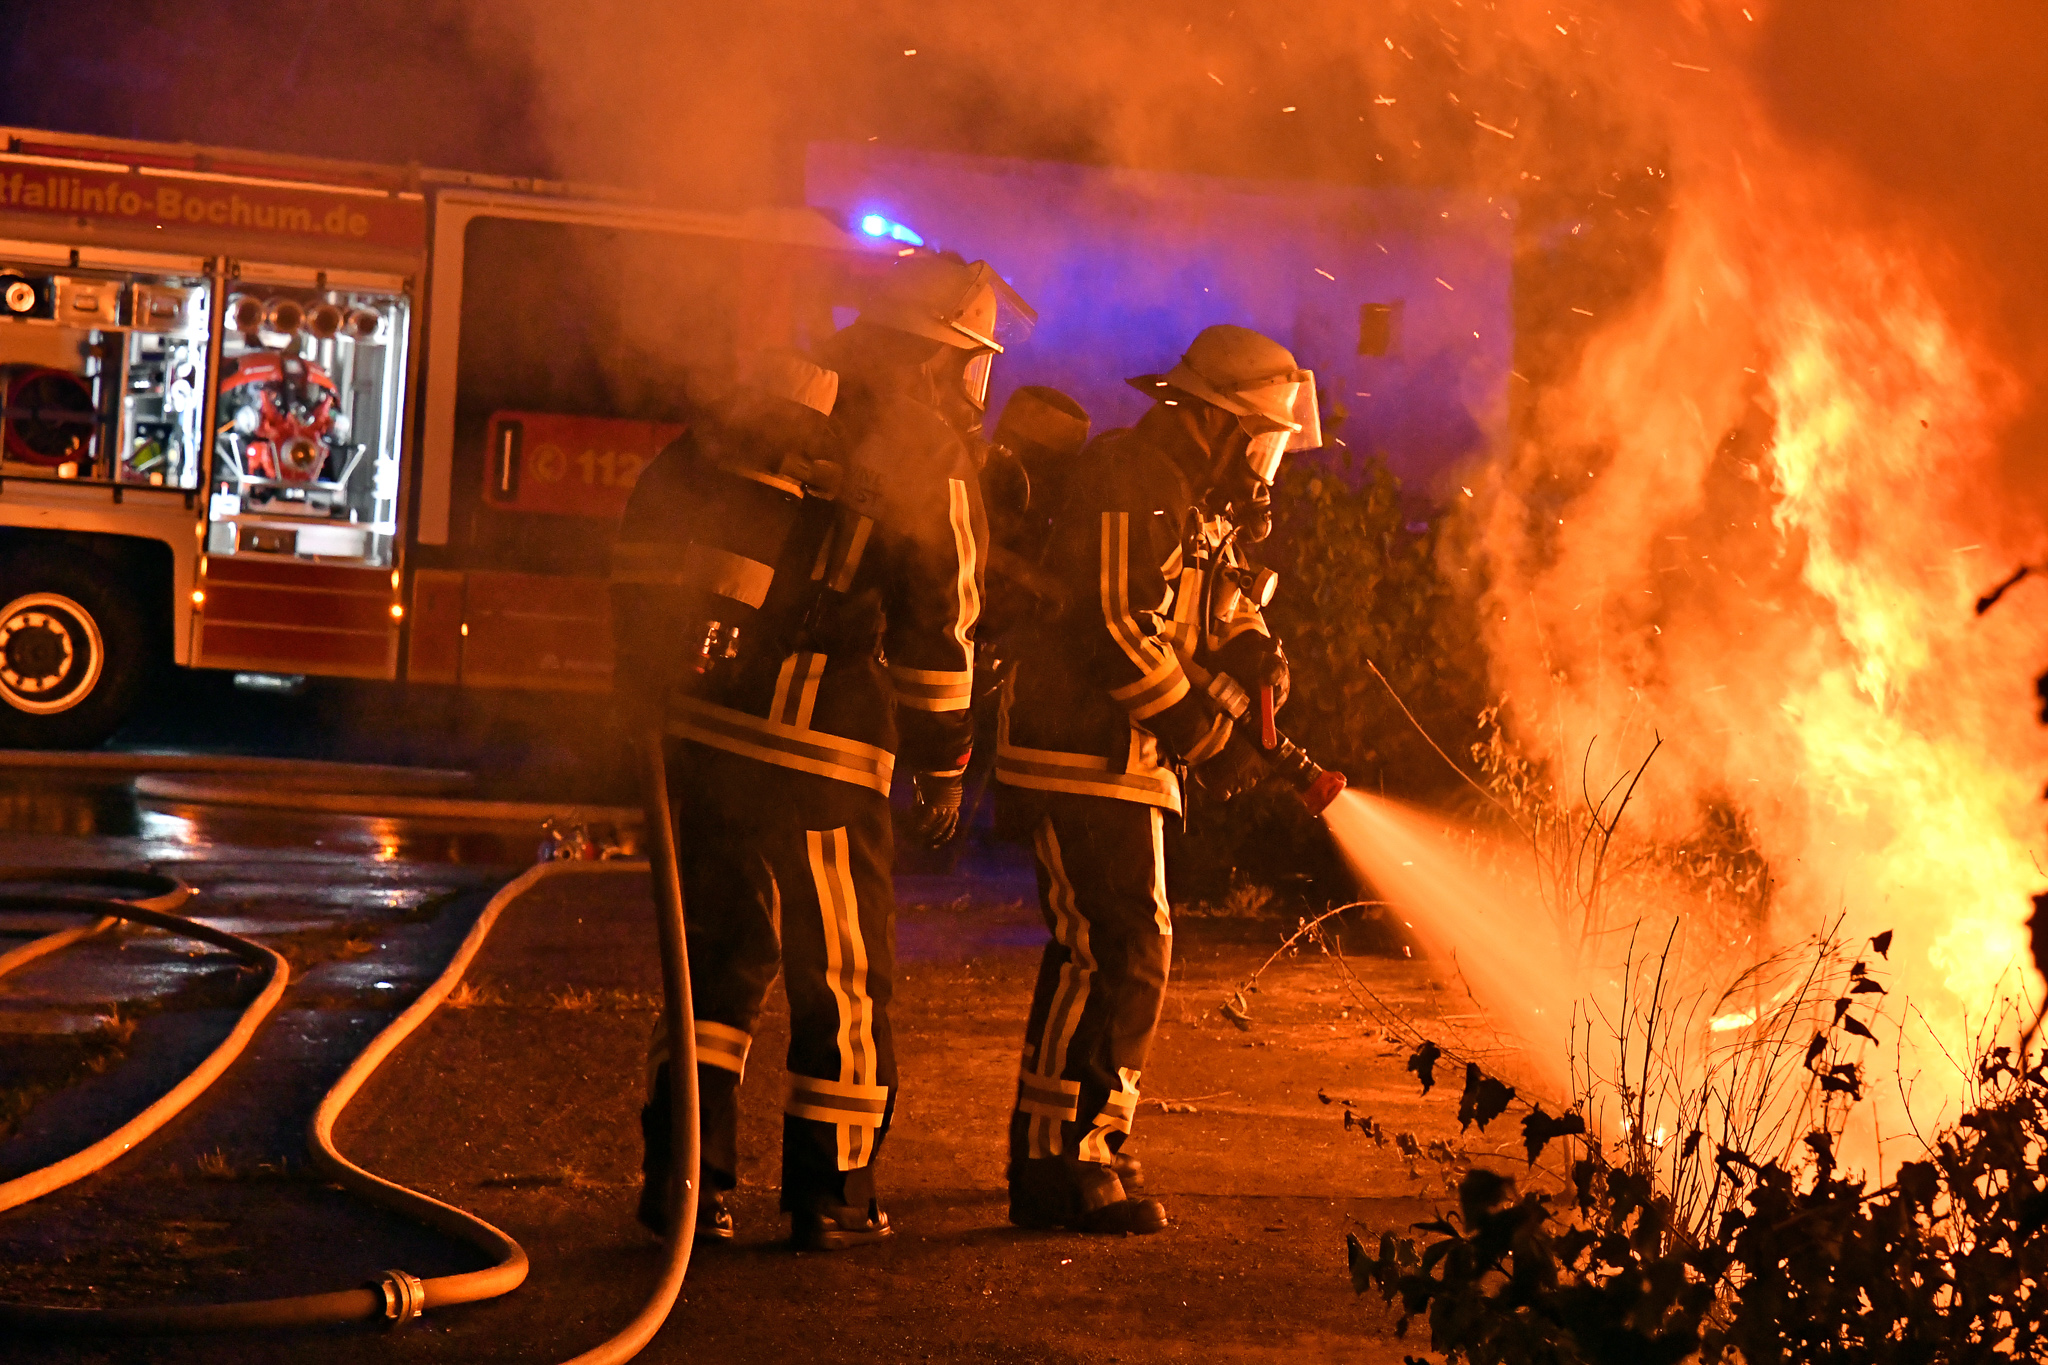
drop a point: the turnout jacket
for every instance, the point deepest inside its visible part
(862, 644)
(1101, 702)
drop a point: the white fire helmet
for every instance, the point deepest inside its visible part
(967, 306)
(1252, 377)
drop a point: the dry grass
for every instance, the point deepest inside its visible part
(607, 998)
(566, 1176)
(472, 994)
(1245, 899)
(217, 1165)
(469, 994)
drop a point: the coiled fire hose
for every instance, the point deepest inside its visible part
(399, 1296)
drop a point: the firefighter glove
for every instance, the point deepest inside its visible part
(1235, 769)
(1253, 661)
(935, 817)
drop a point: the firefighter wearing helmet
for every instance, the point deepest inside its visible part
(769, 563)
(1132, 681)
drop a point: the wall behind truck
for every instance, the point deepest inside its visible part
(391, 81)
(1126, 266)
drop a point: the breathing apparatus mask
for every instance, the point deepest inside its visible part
(1237, 489)
(958, 385)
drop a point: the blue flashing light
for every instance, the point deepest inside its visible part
(875, 225)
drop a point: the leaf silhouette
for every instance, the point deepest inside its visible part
(1361, 1264)
(1485, 1099)
(1883, 944)
(1919, 1181)
(1842, 1080)
(1539, 1128)
(2037, 923)
(1481, 1192)
(1423, 1063)
(1822, 1144)
(1854, 1025)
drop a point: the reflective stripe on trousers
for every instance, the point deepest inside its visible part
(1102, 886)
(783, 871)
(854, 1105)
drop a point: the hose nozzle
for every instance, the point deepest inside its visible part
(1316, 785)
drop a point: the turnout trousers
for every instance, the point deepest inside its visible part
(787, 870)
(1102, 886)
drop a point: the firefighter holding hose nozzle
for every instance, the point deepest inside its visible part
(770, 562)
(1156, 663)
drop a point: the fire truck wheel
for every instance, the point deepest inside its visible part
(72, 654)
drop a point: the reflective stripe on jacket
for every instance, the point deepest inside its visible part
(863, 642)
(1100, 703)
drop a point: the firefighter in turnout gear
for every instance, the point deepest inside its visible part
(796, 597)
(1131, 684)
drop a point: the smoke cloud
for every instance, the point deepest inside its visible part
(1783, 398)
(1782, 395)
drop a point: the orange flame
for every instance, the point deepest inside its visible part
(1757, 519)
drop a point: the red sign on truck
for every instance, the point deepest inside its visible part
(570, 466)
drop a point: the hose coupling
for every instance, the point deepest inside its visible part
(405, 1296)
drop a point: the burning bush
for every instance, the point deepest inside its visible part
(1944, 1263)
(1720, 1222)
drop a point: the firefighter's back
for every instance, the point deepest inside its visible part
(1116, 534)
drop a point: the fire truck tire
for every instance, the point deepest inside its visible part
(73, 651)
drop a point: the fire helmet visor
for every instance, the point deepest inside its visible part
(994, 315)
(974, 378)
(965, 306)
(1264, 452)
(1303, 429)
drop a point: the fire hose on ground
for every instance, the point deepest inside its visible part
(399, 1296)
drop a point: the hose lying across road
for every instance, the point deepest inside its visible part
(119, 1142)
(399, 1296)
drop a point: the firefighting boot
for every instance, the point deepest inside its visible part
(657, 1213)
(827, 1222)
(658, 1195)
(1082, 1196)
(1129, 1171)
(830, 1226)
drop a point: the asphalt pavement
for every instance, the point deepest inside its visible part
(522, 1107)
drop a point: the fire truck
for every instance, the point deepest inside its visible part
(305, 418)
